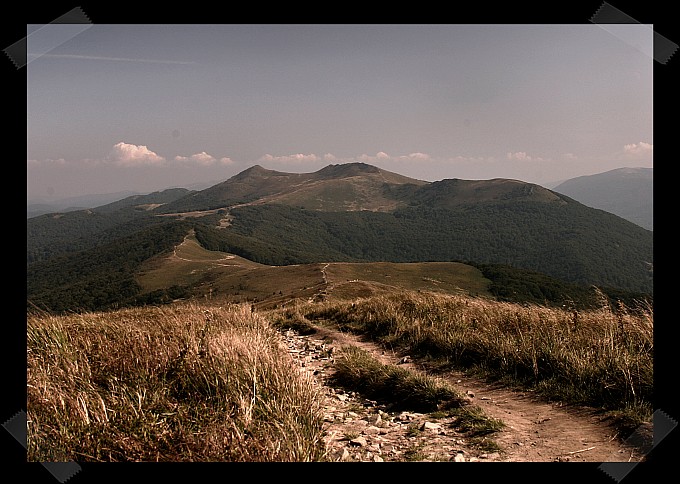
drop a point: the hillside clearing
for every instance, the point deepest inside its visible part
(221, 274)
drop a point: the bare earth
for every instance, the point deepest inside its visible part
(535, 430)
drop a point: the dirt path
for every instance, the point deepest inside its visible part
(541, 431)
(536, 431)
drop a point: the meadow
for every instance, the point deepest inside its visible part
(601, 357)
(209, 380)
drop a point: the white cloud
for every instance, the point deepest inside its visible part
(522, 156)
(381, 156)
(472, 159)
(126, 154)
(201, 158)
(519, 155)
(367, 158)
(640, 148)
(297, 158)
(419, 156)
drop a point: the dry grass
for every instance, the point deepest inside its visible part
(190, 382)
(402, 389)
(602, 357)
(182, 382)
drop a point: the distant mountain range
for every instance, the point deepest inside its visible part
(36, 206)
(40, 207)
(626, 192)
(353, 213)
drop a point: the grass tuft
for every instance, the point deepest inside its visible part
(403, 389)
(473, 421)
(176, 383)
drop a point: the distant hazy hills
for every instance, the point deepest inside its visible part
(38, 207)
(70, 204)
(342, 213)
(626, 192)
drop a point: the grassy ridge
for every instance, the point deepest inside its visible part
(227, 275)
(178, 383)
(447, 277)
(601, 357)
(198, 382)
(200, 271)
(189, 264)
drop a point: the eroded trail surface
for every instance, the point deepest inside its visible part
(535, 431)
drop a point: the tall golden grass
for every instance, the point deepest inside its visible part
(181, 382)
(601, 357)
(203, 382)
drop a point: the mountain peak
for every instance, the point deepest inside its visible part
(255, 170)
(348, 169)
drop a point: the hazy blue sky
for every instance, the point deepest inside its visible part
(146, 107)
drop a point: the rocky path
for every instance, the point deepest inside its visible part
(362, 430)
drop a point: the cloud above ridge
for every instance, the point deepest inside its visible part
(522, 156)
(640, 148)
(296, 158)
(126, 154)
(201, 158)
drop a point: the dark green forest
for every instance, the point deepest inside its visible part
(101, 277)
(88, 259)
(511, 284)
(563, 242)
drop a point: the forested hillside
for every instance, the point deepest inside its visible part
(566, 243)
(101, 277)
(357, 213)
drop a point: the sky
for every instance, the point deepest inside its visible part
(144, 107)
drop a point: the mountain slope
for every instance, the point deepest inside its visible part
(453, 193)
(344, 213)
(37, 207)
(146, 202)
(56, 234)
(565, 240)
(626, 192)
(354, 186)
